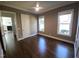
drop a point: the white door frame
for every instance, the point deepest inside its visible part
(15, 23)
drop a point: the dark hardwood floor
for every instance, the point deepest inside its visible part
(39, 47)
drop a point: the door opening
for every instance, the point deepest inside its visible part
(8, 31)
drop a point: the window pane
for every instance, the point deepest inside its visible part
(41, 23)
(7, 21)
(65, 18)
(64, 28)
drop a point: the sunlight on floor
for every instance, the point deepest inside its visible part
(42, 46)
(61, 51)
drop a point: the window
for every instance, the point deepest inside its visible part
(65, 22)
(41, 23)
(7, 21)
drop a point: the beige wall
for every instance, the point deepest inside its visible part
(51, 22)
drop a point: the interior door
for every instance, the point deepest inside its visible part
(25, 19)
(76, 45)
(2, 50)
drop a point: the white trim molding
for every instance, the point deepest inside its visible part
(56, 38)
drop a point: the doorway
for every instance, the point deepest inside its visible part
(8, 31)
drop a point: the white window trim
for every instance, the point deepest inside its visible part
(64, 12)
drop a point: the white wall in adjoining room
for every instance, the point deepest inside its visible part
(33, 25)
(29, 25)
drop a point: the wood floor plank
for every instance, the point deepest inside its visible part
(41, 47)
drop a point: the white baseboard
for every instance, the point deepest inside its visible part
(26, 37)
(56, 38)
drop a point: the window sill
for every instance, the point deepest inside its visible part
(64, 35)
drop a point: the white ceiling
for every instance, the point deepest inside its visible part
(27, 5)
